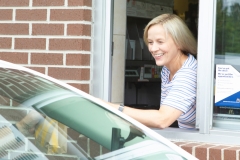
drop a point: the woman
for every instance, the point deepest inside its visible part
(173, 46)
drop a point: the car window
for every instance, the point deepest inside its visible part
(40, 119)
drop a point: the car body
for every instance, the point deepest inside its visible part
(59, 121)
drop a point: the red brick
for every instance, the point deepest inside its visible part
(48, 3)
(38, 69)
(31, 14)
(105, 150)
(82, 87)
(83, 143)
(201, 151)
(80, 3)
(47, 58)
(72, 134)
(78, 59)
(47, 29)
(14, 3)
(79, 29)
(13, 114)
(189, 147)
(180, 143)
(69, 73)
(14, 29)
(94, 149)
(230, 153)
(70, 15)
(69, 44)
(215, 152)
(14, 57)
(30, 43)
(6, 14)
(4, 101)
(5, 43)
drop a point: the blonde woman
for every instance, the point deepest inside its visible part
(173, 46)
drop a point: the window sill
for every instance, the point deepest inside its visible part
(215, 136)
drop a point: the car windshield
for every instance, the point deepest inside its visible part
(40, 119)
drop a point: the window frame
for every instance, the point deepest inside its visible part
(205, 132)
(101, 60)
(101, 71)
(206, 45)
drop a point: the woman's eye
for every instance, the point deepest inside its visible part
(149, 42)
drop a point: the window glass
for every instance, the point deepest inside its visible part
(227, 65)
(43, 120)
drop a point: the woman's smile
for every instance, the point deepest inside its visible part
(158, 56)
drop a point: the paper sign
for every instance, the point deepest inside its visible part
(227, 92)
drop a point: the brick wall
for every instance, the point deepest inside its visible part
(209, 151)
(52, 37)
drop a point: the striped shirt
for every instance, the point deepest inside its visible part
(180, 92)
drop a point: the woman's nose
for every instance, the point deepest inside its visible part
(153, 47)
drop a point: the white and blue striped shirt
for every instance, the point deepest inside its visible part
(180, 92)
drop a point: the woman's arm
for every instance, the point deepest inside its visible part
(161, 118)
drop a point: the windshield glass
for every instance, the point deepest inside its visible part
(40, 119)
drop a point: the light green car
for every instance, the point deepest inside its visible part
(43, 118)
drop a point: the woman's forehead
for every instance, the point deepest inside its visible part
(157, 30)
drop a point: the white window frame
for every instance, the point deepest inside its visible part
(205, 83)
(206, 50)
(101, 72)
(102, 48)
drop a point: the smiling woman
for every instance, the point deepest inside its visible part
(173, 46)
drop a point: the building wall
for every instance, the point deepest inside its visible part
(52, 37)
(210, 151)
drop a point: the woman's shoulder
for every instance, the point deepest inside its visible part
(190, 63)
(188, 70)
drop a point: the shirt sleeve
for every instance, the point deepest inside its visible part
(182, 94)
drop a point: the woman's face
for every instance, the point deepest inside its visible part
(162, 46)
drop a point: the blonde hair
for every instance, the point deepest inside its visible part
(177, 29)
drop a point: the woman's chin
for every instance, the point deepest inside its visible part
(158, 63)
